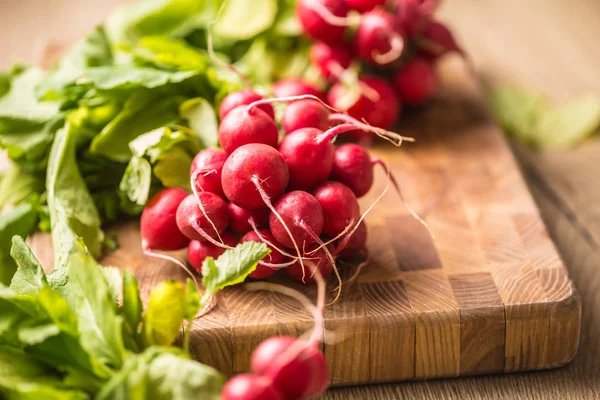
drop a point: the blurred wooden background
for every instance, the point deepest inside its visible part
(551, 45)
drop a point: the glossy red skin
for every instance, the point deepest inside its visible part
(356, 243)
(197, 251)
(316, 27)
(251, 387)
(306, 376)
(158, 224)
(439, 34)
(416, 82)
(294, 207)
(215, 208)
(243, 97)
(254, 159)
(241, 127)
(309, 162)
(295, 87)
(305, 114)
(382, 113)
(412, 17)
(320, 261)
(323, 56)
(206, 161)
(274, 257)
(364, 5)
(353, 167)
(373, 35)
(340, 207)
(238, 218)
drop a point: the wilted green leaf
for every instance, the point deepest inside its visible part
(241, 19)
(173, 168)
(202, 119)
(165, 314)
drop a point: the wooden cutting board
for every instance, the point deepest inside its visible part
(487, 294)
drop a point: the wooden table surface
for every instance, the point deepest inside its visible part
(551, 45)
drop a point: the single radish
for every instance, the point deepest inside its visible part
(305, 114)
(275, 257)
(251, 387)
(203, 217)
(319, 19)
(244, 125)
(363, 6)
(206, 169)
(158, 224)
(239, 217)
(303, 376)
(296, 87)
(377, 39)
(414, 15)
(353, 243)
(416, 82)
(380, 108)
(197, 251)
(340, 207)
(316, 260)
(243, 98)
(352, 166)
(252, 167)
(436, 41)
(330, 60)
(301, 214)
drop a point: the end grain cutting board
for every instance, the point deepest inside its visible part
(488, 294)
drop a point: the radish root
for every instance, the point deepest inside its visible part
(392, 137)
(288, 99)
(193, 179)
(396, 48)
(227, 66)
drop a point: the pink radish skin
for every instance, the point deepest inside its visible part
(238, 218)
(304, 376)
(244, 125)
(339, 205)
(251, 387)
(305, 114)
(320, 261)
(330, 60)
(315, 26)
(416, 82)
(197, 251)
(352, 245)
(381, 112)
(353, 167)
(189, 213)
(254, 162)
(243, 98)
(209, 164)
(296, 87)
(377, 40)
(300, 211)
(275, 257)
(437, 41)
(363, 6)
(158, 224)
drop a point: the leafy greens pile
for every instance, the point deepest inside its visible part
(125, 110)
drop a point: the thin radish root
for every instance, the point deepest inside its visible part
(179, 263)
(396, 48)
(229, 67)
(327, 243)
(359, 267)
(196, 226)
(392, 137)
(288, 99)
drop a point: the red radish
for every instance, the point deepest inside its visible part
(416, 82)
(296, 87)
(206, 169)
(320, 261)
(252, 166)
(238, 218)
(377, 40)
(303, 376)
(244, 125)
(158, 224)
(414, 15)
(353, 243)
(381, 110)
(243, 98)
(317, 18)
(275, 257)
(197, 251)
(302, 215)
(330, 60)
(353, 167)
(195, 224)
(364, 5)
(305, 114)
(340, 207)
(251, 387)
(436, 41)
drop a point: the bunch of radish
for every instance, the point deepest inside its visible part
(394, 44)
